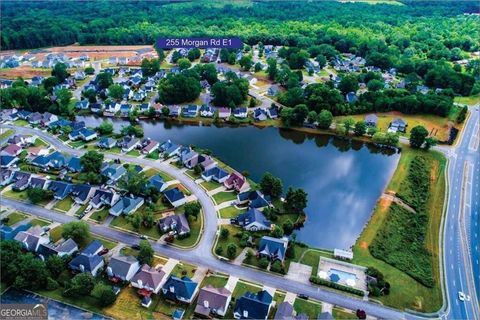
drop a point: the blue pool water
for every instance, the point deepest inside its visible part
(342, 275)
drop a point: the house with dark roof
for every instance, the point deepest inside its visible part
(113, 172)
(34, 118)
(6, 177)
(237, 182)
(21, 180)
(181, 289)
(252, 220)
(48, 118)
(273, 248)
(216, 174)
(103, 197)
(60, 189)
(122, 267)
(284, 311)
(106, 143)
(41, 161)
(190, 111)
(273, 112)
(213, 301)
(170, 149)
(128, 143)
(260, 114)
(88, 260)
(397, 125)
(81, 193)
(351, 97)
(240, 112)
(206, 111)
(254, 199)
(82, 105)
(87, 134)
(32, 238)
(325, 316)
(175, 222)
(8, 233)
(74, 165)
(56, 160)
(157, 182)
(148, 278)
(67, 247)
(7, 161)
(187, 155)
(206, 162)
(175, 197)
(126, 205)
(371, 120)
(39, 183)
(253, 305)
(273, 90)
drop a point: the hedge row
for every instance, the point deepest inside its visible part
(323, 282)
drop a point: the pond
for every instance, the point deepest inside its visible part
(343, 179)
(56, 310)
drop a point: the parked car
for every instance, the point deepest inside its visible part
(303, 296)
(143, 237)
(104, 251)
(136, 247)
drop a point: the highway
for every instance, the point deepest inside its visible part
(460, 245)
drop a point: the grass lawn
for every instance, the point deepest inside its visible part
(230, 212)
(128, 306)
(311, 257)
(341, 314)
(100, 216)
(191, 173)
(223, 243)
(16, 195)
(39, 143)
(134, 153)
(5, 133)
(406, 292)
(195, 228)
(152, 172)
(210, 185)
(15, 217)
(224, 196)
(87, 302)
(155, 155)
(56, 233)
(310, 308)
(64, 205)
(21, 122)
(215, 280)
(81, 209)
(106, 243)
(39, 222)
(121, 222)
(77, 144)
(182, 269)
(470, 100)
(115, 150)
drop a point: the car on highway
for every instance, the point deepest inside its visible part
(461, 296)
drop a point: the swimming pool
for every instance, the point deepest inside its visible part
(341, 276)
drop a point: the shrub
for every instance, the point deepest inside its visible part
(263, 263)
(323, 282)
(277, 267)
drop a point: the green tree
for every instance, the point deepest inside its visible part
(360, 128)
(135, 220)
(312, 117)
(322, 61)
(295, 200)
(263, 263)
(82, 284)
(462, 115)
(106, 127)
(272, 69)
(104, 293)
(116, 91)
(89, 70)
(246, 62)
(145, 254)
(184, 63)
(130, 130)
(375, 85)
(258, 67)
(349, 83)
(277, 232)
(92, 161)
(150, 67)
(36, 195)
(231, 250)
(193, 54)
(417, 136)
(271, 185)
(30, 273)
(324, 119)
(78, 231)
(134, 182)
(192, 209)
(59, 71)
(288, 227)
(430, 142)
(348, 123)
(224, 233)
(104, 80)
(56, 265)
(178, 89)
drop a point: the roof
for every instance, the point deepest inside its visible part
(12, 149)
(89, 262)
(125, 205)
(93, 247)
(7, 160)
(256, 199)
(257, 305)
(182, 288)
(60, 189)
(398, 122)
(156, 181)
(81, 191)
(38, 182)
(121, 265)
(251, 216)
(371, 118)
(284, 311)
(273, 247)
(215, 172)
(102, 196)
(149, 276)
(177, 221)
(74, 164)
(67, 246)
(174, 194)
(217, 299)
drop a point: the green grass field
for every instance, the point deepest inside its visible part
(39, 222)
(64, 205)
(15, 217)
(230, 212)
(217, 281)
(470, 100)
(223, 196)
(100, 216)
(5, 133)
(210, 185)
(310, 308)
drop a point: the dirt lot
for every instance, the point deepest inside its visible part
(25, 72)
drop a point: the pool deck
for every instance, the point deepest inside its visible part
(325, 266)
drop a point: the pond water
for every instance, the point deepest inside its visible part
(343, 179)
(56, 310)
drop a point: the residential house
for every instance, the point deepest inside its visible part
(170, 149)
(103, 197)
(113, 172)
(285, 311)
(273, 248)
(34, 118)
(175, 222)
(151, 146)
(205, 162)
(7, 161)
(187, 155)
(12, 150)
(113, 107)
(252, 220)
(241, 112)
(74, 165)
(82, 105)
(260, 114)
(175, 197)
(190, 111)
(128, 143)
(213, 301)
(6, 177)
(8, 233)
(273, 112)
(325, 316)
(48, 118)
(60, 189)
(39, 183)
(144, 107)
(255, 199)
(21, 180)
(126, 205)
(216, 174)
(67, 247)
(32, 238)
(207, 111)
(253, 305)
(88, 260)
(174, 111)
(251, 80)
(148, 278)
(181, 289)
(273, 90)
(81, 193)
(351, 97)
(371, 120)
(125, 109)
(224, 113)
(397, 125)
(79, 75)
(237, 182)
(21, 140)
(157, 182)
(122, 267)
(106, 143)
(37, 81)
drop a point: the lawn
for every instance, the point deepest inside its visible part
(87, 302)
(115, 150)
(15, 217)
(405, 291)
(223, 196)
(311, 257)
(183, 269)
(77, 144)
(192, 174)
(223, 243)
(16, 195)
(106, 243)
(81, 209)
(210, 185)
(39, 143)
(151, 172)
(128, 306)
(6, 133)
(215, 280)
(40, 222)
(122, 222)
(134, 153)
(100, 216)
(56, 233)
(341, 314)
(310, 308)
(64, 205)
(230, 212)
(195, 229)
(154, 155)
(470, 100)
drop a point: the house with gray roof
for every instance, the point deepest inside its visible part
(60, 189)
(88, 260)
(106, 143)
(174, 222)
(6, 177)
(40, 183)
(175, 197)
(126, 205)
(32, 238)
(253, 305)
(113, 172)
(273, 248)
(81, 193)
(213, 301)
(216, 174)
(252, 220)
(67, 247)
(371, 120)
(254, 199)
(157, 182)
(103, 197)
(122, 267)
(148, 278)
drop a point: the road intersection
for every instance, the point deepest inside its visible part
(457, 245)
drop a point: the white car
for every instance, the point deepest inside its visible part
(461, 296)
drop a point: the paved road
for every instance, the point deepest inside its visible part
(202, 254)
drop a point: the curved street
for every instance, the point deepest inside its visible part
(456, 244)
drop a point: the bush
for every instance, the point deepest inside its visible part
(224, 233)
(51, 284)
(323, 282)
(219, 251)
(277, 267)
(263, 263)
